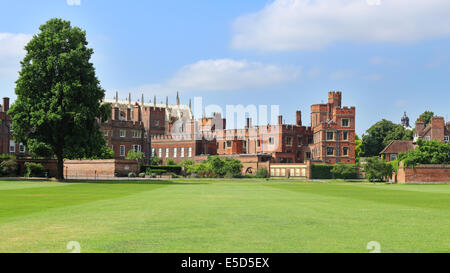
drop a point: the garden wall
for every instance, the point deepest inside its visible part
(108, 168)
(50, 165)
(424, 174)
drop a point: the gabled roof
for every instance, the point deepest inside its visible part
(398, 146)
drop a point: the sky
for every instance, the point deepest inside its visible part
(386, 56)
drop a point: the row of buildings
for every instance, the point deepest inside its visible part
(170, 131)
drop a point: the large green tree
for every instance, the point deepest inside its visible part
(381, 134)
(58, 105)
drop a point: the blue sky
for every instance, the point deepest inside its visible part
(386, 56)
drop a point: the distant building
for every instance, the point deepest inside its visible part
(7, 143)
(437, 129)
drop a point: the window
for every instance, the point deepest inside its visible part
(345, 123)
(157, 123)
(182, 152)
(190, 152)
(447, 139)
(299, 154)
(153, 152)
(308, 155)
(299, 141)
(271, 140)
(12, 146)
(345, 136)
(393, 157)
(258, 143)
(229, 143)
(122, 150)
(160, 152)
(167, 152)
(21, 148)
(330, 151)
(427, 138)
(330, 136)
(123, 133)
(106, 132)
(224, 145)
(175, 150)
(137, 134)
(137, 148)
(289, 141)
(345, 151)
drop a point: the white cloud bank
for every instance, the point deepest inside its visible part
(73, 2)
(11, 53)
(222, 75)
(287, 25)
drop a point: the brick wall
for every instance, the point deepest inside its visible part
(424, 174)
(99, 168)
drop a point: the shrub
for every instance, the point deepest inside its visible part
(9, 167)
(344, 171)
(262, 173)
(170, 162)
(131, 175)
(134, 155)
(377, 169)
(142, 175)
(321, 171)
(7, 156)
(34, 170)
(155, 161)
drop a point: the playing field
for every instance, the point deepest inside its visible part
(241, 216)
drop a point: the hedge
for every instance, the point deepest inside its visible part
(162, 169)
(321, 171)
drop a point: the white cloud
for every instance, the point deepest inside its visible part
(222, 75)
(73, 2)
(11, 53)
(286, 25)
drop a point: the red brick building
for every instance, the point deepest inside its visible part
(437, 129)
(330, 139)
(7, 143)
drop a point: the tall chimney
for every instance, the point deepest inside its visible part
(116, 114)
(128, 113)
(5, 104)
(299, 118)
(280, 120)
(249, 122)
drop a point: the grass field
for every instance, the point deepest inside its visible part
(241, 216)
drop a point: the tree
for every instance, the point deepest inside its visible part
(344, 171)
(426, 117)
(155, 161)
(58, 103)
(377, 169)
(358, 149)
(170, 162)
(427, 152)
(381, 134)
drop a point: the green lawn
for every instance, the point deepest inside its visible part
(241, 216)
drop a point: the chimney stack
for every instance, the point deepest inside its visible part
(128, 113)
(280, 120)
(299, 118)
(5, 104)
(116, 114)
(249, 122)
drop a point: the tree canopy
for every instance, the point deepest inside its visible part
(427, 152)
(381, 134)
(426, 117)
(58, 105)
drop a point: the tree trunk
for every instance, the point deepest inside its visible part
(60, 165)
